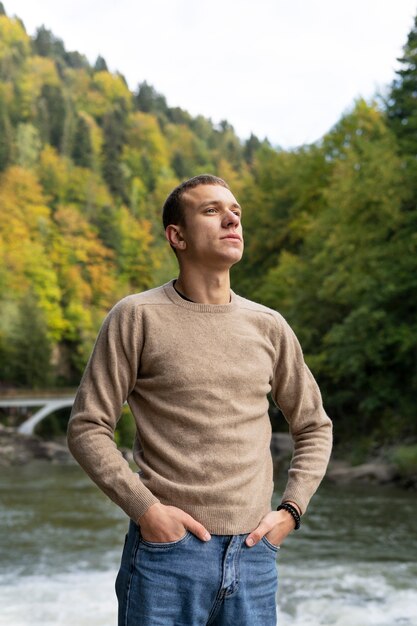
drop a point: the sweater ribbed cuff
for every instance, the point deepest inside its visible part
(139, 502)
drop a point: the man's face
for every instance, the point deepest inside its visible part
(213, 230)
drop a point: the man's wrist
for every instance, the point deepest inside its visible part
(150, 512)
(293, 511)
(294, 504)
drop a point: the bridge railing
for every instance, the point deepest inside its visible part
(48, 405)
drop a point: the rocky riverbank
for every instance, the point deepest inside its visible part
(376, 471)
(18, 449)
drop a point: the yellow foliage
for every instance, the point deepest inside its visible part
(84, 97)
(70, 184)
(163, 188)
(63, 231)
(42, 70)
(6, 93)
(86, 189)
(96, 137)
(112, 86)
(95, 103)
(136, 257)
(38, 71)
(79, 82)
(145, 135)
(233, 178)
(53, 171)
(13, 38)
(96, 95)
(181, 138)
(21, 198)
(84, 264)
(26, 230)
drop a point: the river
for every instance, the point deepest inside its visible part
(353, 563)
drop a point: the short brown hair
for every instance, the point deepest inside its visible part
(173, 210)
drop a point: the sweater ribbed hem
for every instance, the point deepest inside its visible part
(198, 307)
(225, 521)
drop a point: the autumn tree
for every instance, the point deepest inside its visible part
(14, 48)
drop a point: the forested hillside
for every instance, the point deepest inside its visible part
(330, 228)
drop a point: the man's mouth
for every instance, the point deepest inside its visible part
(237, 237)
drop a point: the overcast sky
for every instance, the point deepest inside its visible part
(285, 69)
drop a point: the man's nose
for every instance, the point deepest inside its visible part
(231, 219)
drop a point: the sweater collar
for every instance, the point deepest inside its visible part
(174, 296)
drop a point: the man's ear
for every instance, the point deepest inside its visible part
(174, 236)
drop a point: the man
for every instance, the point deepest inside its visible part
(195, 362)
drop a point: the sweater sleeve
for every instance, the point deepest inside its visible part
(108, 379)
(296, 393)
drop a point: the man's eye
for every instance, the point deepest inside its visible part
(208, 210)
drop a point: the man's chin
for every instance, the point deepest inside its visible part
(235, 260)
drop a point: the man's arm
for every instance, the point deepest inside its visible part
(108, 379)
(297, 394)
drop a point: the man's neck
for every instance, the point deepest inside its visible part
(204, 288)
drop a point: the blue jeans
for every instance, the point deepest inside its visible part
(189, 582)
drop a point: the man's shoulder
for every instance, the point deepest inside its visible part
(267, 317)
(260, 309)
(152, 297)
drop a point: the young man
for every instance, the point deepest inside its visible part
(195, 362)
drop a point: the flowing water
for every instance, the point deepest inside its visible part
(353, 563)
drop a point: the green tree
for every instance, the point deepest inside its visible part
(82, 149)
(51, 114)
(252, 145)
(108, 227)
(6, 137)
(28, 145)
(401, 111)
(343, 288)
(114, 130)
(227, 144)
(45, 44)
(100, 65)
(402, 99)
(29, 352)
(148, 100)
(76, 60)
(281, 197)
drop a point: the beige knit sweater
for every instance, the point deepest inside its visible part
(196, 377)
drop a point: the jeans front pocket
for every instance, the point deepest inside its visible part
(164, 545)
(269, 545)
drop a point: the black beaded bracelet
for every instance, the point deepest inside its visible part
(286, 506)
